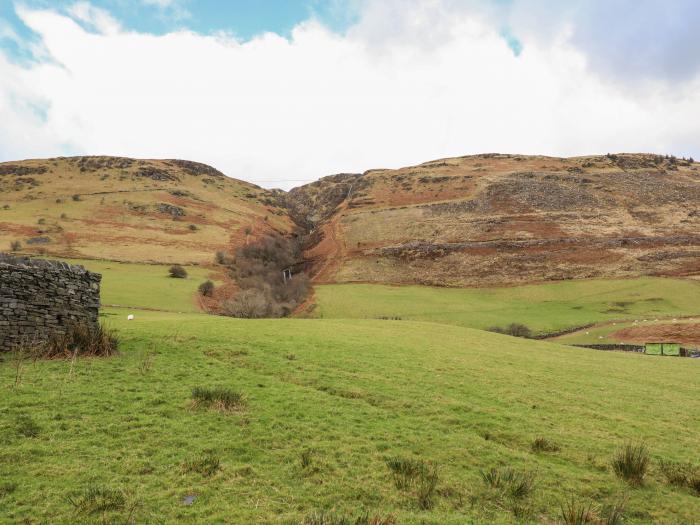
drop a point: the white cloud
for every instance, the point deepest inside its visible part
(401, 86)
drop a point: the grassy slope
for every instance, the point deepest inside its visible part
(356, 393)
(544, 307)
(146, 285)
(117, 216)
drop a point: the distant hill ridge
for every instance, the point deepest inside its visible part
(478, 220)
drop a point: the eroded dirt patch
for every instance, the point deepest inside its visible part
(685, 333)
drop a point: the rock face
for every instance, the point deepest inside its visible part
(39, 298)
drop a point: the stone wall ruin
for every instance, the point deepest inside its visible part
(39, 298)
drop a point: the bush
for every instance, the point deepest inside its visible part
(218, 398)
(206, 289)
(513, 329)
(80, 339)
(41, 221)
(76, 197)
(193, 227)
(177, 272)
(631, 463)
(15, 246)
(541, 444)
(257, 269)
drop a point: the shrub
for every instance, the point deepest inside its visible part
(513, 329)
(15, 246)
(257, 269)
(64, 216)
(206, 465)
(41, 221)
(177, 272)
(76, 197)
(206, 289)
(80, 339)
(193, 227)
(250, 304)
(631, 463)
(218, 398)
(542, 444)
(222, 258)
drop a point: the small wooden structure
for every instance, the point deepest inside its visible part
(287, 274)
(662, 349)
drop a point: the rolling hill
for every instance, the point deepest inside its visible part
(494, 219)
(132, 210)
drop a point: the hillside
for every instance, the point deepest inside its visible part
(504, 219)
(329, 404)
(130, 210)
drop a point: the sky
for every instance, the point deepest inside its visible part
(282, 92)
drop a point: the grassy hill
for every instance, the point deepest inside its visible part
(328, 403)
(544, 308)
(504, 219)
(130, 210)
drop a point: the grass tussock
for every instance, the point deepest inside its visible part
(511, 482)
(542, 444)
(218, 398)
(405, 471)
(80, 339)
(416, 474)
(576, 512)
(631, 463)
(206, 465)
(685, 475)
(306, 458)
(331, 518)
(7, 488)
(98, 500)
(26, 426)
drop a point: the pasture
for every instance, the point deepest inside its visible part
(544, 308)
(321, 408)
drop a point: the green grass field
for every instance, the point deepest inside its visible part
(148, 286)
(347, 395)
(328, 402)
(542, 307)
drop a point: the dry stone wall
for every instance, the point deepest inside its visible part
(39, 298)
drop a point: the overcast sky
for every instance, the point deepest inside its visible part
(280, 92)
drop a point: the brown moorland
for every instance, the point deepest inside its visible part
(496, 219)
(122, 209)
